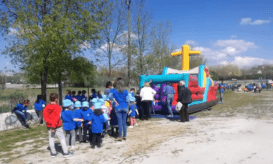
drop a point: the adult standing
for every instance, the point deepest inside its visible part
(169, 92)
(184, 97)
(121, 98)
(222, 88)
(147, 96)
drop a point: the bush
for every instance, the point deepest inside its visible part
(3, 80)
(15, 98)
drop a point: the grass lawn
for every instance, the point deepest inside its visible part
(232, 103)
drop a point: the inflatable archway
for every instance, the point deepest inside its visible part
(198, 80)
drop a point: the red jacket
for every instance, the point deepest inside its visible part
(52, 115)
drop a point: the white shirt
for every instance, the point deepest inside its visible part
(147, 93)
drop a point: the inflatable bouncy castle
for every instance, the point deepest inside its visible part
(198, 80)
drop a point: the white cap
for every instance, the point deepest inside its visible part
(182, 82)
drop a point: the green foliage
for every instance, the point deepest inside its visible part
(82, 71)
(47, 35)
(16, 97)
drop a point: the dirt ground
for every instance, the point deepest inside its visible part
(243, 135)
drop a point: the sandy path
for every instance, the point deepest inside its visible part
(245, 136)
(216, 141)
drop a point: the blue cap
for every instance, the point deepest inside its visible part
(104, 97)
(77, 104)
(98, 103)
(67, 103)
(85, 104)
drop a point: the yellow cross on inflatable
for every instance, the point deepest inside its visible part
(186, 56)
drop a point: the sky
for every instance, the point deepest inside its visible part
(235, 31)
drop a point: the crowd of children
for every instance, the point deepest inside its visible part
(80, 118)
(87, 121)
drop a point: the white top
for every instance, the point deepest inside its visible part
(147, 93)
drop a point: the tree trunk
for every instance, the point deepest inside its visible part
(110, 69)
(129, 44)
(60, 87)
(44, 83)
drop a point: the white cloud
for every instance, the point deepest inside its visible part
(247, 61)
(233, 36)
(246, 21)
(233, 47)
(189, 42)
(85, 45)
(224, 62)
(124, 34)
(116, 48)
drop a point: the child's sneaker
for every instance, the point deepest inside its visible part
(92, 146)
(130, 126)
(53, 155)
(135, 124)
(69, 154)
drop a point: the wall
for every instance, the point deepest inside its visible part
(10, 121)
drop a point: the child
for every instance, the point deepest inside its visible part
(78, 114)
(97, 122)
(132, 92)
(94, 95)
(79, 96)
(21, 112)
(73, 95)
(83, 96)
(52, 113)
(68, 95)
(133, 111)
(86, 114)
(113, 122)
(105, 108)
(99, 95)
(39, 106)
(245, 89)
(69, 119)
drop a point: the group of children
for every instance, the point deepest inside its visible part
(93, 118)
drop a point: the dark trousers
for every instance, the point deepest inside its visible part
(146, 109)
(40, 116)
(85, 130)
(184, 114)
(79, 130)
(96, 140)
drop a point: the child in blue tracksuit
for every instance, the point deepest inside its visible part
(86, 114)
(133, 112)
(78, 114)
(39, 106)
(97, 121)
(21, 112)
(68, 95)
(69, 119)
(83, 96)
(113, 122)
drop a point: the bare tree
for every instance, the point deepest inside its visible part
(160, 52)
(108, 47)
(141, 29)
